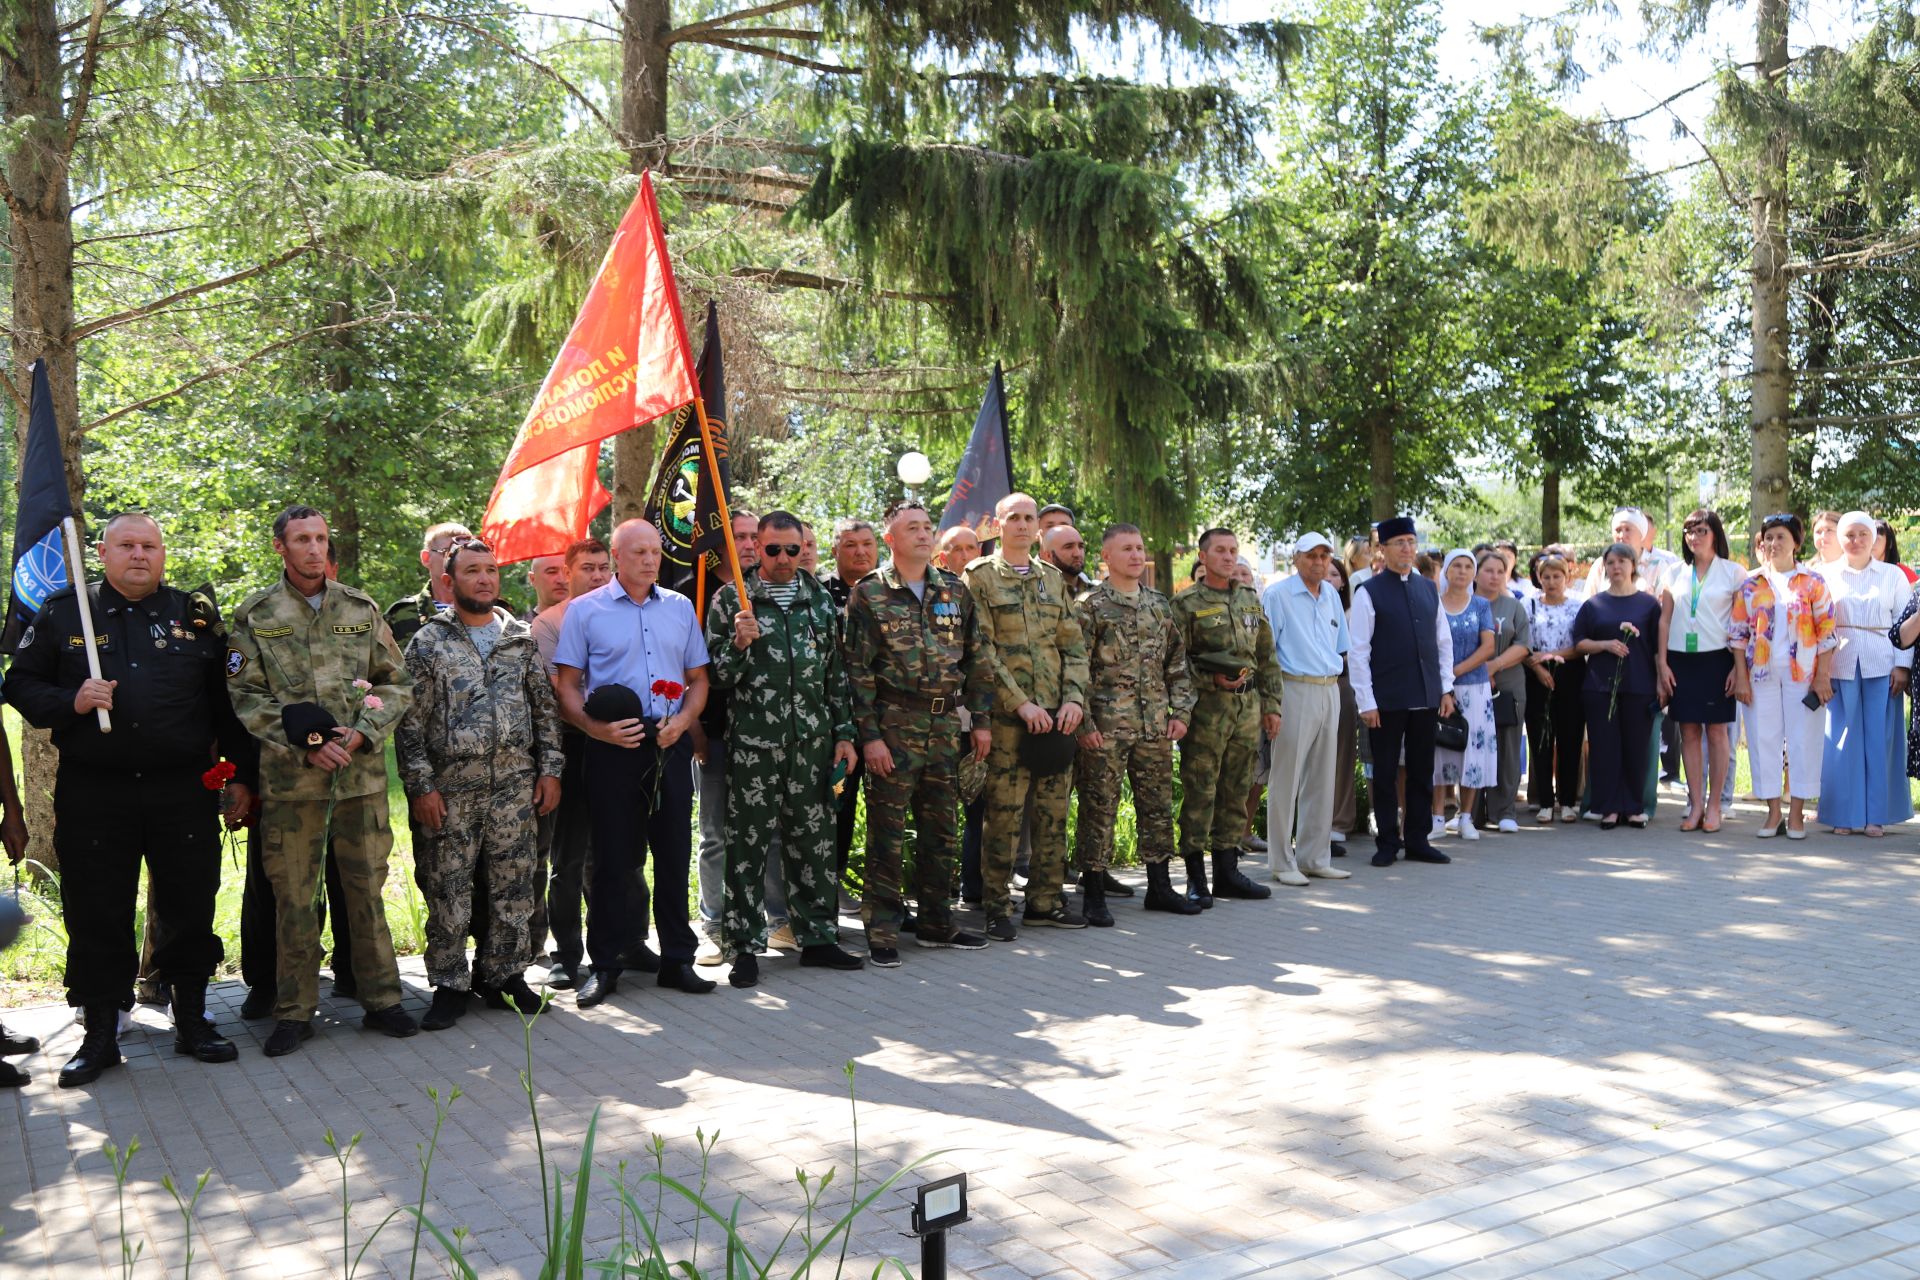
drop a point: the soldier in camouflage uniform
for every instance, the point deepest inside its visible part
(914, 658)
(405, 617)
(1140, 701)
(1040, 686)
(480, 759)
(309, 644)
(1230, 647)
(790, 722)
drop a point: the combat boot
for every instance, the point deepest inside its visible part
(1230, 882)
(1197, 881)
(193, 1035)
(1162, 896)
(99, 1050)
(1093, 900)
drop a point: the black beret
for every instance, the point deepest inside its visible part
(612, 702)
(308, 725)
(1046, 754)
(1231, 665)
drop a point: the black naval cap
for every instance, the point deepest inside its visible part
(612, 702)
(1046, 754)
(308, 724)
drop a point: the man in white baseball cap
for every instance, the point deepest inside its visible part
(1310, 639)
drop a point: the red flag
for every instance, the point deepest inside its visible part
(624, 362)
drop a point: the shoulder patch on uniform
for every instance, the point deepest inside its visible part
(236, 663)
(271, 633)
(26, 638)
(352, 629)
(1209, 612)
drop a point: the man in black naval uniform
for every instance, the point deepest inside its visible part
(137, 792)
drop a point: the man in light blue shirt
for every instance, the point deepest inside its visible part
(1310, 640)
(617, 644)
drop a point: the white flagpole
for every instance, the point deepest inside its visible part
(77, 574)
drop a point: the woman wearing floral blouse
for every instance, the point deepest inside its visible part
(1783, 640)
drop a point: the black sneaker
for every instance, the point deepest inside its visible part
(1061, 917)
(1002, 930)
(883, 957)
(447, 1007)
(393, 1021)
(286, 1037)
(746, 970)
(826, 955)
(514, 994)
(958, 939)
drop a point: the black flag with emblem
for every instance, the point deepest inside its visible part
(684, 500)
(39, 559)
(985, 474)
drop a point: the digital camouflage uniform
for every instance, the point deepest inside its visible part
(1038, 656)
(787, 706)
(1138, 681)
(913, 662)
(1221, 753)
(283, 651)
(481, 732)
(406, 617)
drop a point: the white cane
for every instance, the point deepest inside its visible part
(76, 570)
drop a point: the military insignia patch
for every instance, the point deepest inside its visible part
(272, 633)
(357, 629)
(236, 663)
(26, 639)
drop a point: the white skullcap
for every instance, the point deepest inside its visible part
(1860, 518)
(1635, 517)
(1458, 553)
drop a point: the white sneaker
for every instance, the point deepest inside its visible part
(1468, 831)
(1287, 875)
(1509, 826)
(1439, 827)
(709, 954)
(1329, 873)
(1454, 826)
(1339, 837)
(1254, 844)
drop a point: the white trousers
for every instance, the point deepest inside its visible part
(1780, 724)
(1300, 782)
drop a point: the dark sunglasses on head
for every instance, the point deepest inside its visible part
(780, 549)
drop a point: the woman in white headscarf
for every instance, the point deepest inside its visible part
(1861, 789)
(1477, 764)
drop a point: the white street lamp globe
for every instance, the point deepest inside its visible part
(913, 469)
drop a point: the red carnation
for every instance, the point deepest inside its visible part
(671, 689)
(659, 688)
(216, 778)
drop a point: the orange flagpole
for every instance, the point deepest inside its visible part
(720, 496)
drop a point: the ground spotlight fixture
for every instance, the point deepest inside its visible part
(937, 1206)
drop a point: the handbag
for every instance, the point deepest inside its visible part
(1506, 709)
(1451, 733)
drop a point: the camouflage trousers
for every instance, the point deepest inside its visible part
(1219, 759)
(295, 832)
(926, 758)
(784, 790)
(1148, 761)
(491, 827)
(1009, 783)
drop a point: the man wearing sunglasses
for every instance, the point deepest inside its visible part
(790, 729)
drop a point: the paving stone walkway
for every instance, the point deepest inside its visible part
(1573, 1052)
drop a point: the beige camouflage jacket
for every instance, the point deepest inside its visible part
(1138, 661)
(475, 721)
(1039, 654)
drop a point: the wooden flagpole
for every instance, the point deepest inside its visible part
(720, 496)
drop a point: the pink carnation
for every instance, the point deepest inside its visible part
(373, 702)
(363, 685)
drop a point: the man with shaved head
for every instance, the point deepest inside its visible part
(621, 649)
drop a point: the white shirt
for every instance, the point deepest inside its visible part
(1714, 603)
(1865, 603)
(1360, 652)
(1653, 568)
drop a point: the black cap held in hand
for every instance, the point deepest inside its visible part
(308, 725)
(1046, 754)
(612, 702)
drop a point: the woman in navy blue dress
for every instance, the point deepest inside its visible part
(1617, 631)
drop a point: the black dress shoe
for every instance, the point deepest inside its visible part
(391, 1021)
(1608, 824)
(258, 1004)
(745, 972)
(1339, 851)
(678, 975)
(447, 1007)
(826, 955)
(1115, 888)
(600, 984)
(1382, 859)
(286, 1037)
(99, 1050)
(640, 957)
(345, 988)
(1427, 855)
(12, 1045)
(563, 976)
(12, 1077)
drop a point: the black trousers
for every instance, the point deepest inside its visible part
(971, 884)
(569, 849)
(620, 791)
(1617, 749)
(1556, 728)
(105, 825)
(1415, 730)
(843, 834)
(259, 933)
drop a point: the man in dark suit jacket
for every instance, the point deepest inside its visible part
(1401, 668)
